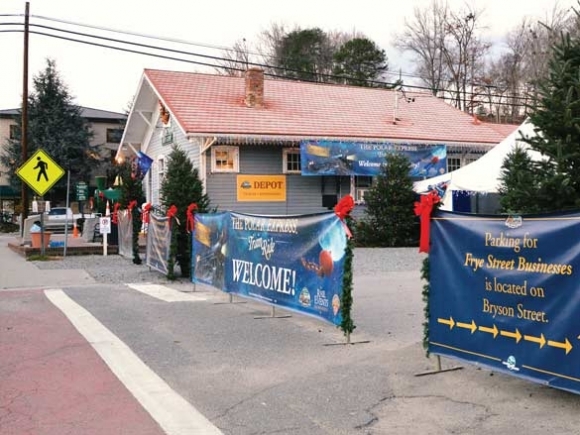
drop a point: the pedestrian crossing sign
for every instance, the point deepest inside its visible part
(40, 172)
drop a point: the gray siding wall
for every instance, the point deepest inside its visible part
(303, 193)
(156, 148)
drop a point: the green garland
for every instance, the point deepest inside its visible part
(425, 293)
(347, 325)
(172, 253)
(136, 225)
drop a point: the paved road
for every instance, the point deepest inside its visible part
(244, 375)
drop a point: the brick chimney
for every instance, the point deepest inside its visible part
(254, 87)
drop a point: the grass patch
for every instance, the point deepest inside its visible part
(40, 257)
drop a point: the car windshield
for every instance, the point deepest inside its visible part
(57, 211)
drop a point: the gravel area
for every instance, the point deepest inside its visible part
(115, 268)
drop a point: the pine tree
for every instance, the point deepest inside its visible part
(519, 185)
(132, 190)
(389, 214)
(181, 187)
(555, 112)
(55, 124)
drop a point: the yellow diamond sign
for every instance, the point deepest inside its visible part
(40, 172)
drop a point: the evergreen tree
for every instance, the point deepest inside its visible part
(519, 185)
(555, 112)
(181, 187)
(360, 61)
(132, 190)
(55, 124)
(390, 221)
(305, 54)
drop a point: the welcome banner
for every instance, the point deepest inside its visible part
(505, 294)
(296, 262)
(158, 243)
(325, 157)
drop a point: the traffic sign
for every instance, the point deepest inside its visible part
(82, 191)
(105, 224)
(40, 172)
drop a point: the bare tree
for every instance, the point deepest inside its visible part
(512, 78)
(270, 45)
(424, 37)
(464, 53)
(236, 59)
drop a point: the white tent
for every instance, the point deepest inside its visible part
(482, 175)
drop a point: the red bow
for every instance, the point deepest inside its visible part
(343, 209)
(131, 206)
(146, 209)
(171, 213)
(115, 219)
(424, 209)
(190, 221)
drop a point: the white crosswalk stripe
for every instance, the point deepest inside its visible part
(171, 411)
(167, 294)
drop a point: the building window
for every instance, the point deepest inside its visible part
(166, 136)
(161, 167)
(291, 161)
(453, 163)
(14, 132)
(470, 159)
(225, 159)
(114, 135)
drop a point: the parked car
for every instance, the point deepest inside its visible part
(55, 219)
(60, 213)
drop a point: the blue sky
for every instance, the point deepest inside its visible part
(107, 79)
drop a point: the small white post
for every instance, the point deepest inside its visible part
(105, 231)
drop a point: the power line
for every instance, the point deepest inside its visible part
(198, 44)
(217, 58)
(185, 42)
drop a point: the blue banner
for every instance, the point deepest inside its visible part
(504, 293)
(296, 262)
(325, 157)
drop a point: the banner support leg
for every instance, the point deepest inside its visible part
(273, 315)
(347, 336)
(439, 369)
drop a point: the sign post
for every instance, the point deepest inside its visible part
(105, 228)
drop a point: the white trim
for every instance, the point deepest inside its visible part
(360, 195)
(285, 153)
(230, 149)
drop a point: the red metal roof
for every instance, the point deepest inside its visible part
(504, 129)
(214, 104)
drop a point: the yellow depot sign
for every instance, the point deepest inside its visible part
(40, 172)
(261, 188)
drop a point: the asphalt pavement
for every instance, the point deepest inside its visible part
(227, 367)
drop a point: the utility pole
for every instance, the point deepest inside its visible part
(24, 130)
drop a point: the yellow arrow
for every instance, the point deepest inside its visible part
(493, 330)
(515, 335)
(471, 326)
(566, 345)
(540, 340)
(448, 322)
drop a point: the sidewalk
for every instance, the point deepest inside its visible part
(17, 272)
(53, 382)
